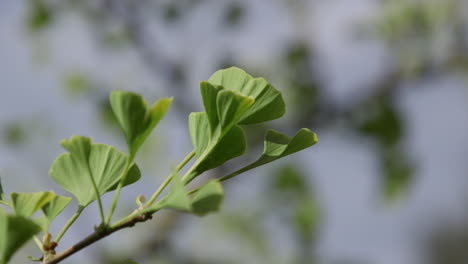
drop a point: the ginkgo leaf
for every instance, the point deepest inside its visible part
(231, 106)
(209, 95)
(54, 207)
(135, 119)
(278, 145)
(269, 103)
(199, 130)
(26, 204)
(15, 231)
(177, 198)
(86, 162)
(212, 149)
(208, 198)
(232, 145)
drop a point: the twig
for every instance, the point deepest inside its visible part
(96, 236)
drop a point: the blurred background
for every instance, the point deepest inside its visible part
(382, 83)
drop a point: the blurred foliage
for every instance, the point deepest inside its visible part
(77, 84)
(39, 15)
(234, 13)
(14, 133)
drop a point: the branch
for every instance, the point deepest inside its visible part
(96, 236)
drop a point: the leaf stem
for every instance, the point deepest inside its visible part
(169, 178)
(101, 210)
(117, 192)
(39, 243)
(224, 178)
(69, 223)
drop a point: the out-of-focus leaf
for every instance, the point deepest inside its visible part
(15, 231)
(398, 173)
(172, 12)
(382, 121)
(208, 198)
(26, 204)
(136, 120)
(15, 133)
(269, 104)
(86, 162)
(76, 83)
(234, 13)
(40, 15)
(289, 179)
(2, 194)
(306, 218)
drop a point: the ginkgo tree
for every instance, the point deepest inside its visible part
(231, 98)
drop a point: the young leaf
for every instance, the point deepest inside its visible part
(208, 198)
(26, 204)
(136, 120)
(209, 94)
(15, 231)
(269, 104)
(54, 208)
(212, 149)
(278, 145)
(232, 145)
(74, 171)
(177, 198)
(231, 106)
(199, 132)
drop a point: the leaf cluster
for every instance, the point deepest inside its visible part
(231, 98)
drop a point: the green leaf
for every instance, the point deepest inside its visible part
(269, 103)
(278, 145)
(74, 171)
(177, 198)
(2, 194)
(209, 95)
(231, 106)
(208, 198)
(26, 204)
(228, 141)
(54, 208)
(135, 119)
(232, 145)
(199, 132)
(15, 231)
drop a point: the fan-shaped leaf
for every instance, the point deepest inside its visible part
(232, 145)
(278, 145)
(75, 171)
(269, 104)
(177, 198)
(199, 132)
(15, 231)
(54, 208)
(208, 198)
(26, 204)
(136, 120)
